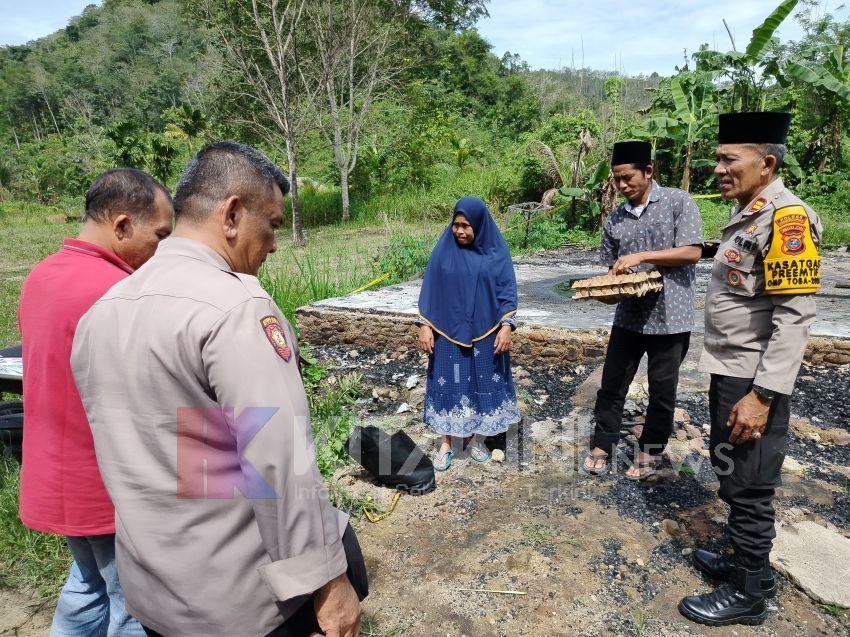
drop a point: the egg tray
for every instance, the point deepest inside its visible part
(618, 286)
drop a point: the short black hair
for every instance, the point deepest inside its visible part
(127, 190)
(222, 170)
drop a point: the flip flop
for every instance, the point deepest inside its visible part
(652, 465)
(443, 461)
(479, 452)
(601, 471)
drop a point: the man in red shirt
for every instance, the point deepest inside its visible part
(127, 213)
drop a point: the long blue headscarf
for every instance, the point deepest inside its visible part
(468, 290)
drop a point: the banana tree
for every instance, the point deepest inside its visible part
(690, 100)
(831, 80)
(696, 112)
(748, 70)
(592, 192)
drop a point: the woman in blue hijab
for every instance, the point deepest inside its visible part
(467, 310)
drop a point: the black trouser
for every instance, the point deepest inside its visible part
(748, 473)
(304, 623)
(665, 353)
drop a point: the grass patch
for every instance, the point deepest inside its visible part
(839, 612)
(536, 535)
(30, 561)
(338, 260)
(29, 232)
(371, 627)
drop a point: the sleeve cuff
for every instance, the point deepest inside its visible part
(511, 322)
(305, 573)
(774, 384)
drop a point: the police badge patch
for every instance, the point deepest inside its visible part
(732, 256)
(274, 332)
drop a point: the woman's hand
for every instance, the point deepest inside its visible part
(503, 340)
(426, 339)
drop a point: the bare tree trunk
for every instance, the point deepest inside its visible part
(607, 199)
(14, 133)
(35, 128)
(346, 204)
(352, 45)
(686, 173)
(50, 110)
(297, 221)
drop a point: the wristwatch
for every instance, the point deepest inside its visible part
(764, 392)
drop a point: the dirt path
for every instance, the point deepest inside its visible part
(22, 616)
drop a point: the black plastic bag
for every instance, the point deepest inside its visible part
(395, 461)
(11, 428)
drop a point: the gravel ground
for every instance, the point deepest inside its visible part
(594, 555)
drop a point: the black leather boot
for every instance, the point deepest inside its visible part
(738, 601)
(719, 567)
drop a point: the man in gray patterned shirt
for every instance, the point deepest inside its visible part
(655, 228)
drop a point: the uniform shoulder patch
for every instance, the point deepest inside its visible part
(757, 205)
(792, 265)
(732, 256)
(734, 278)
(274, 332)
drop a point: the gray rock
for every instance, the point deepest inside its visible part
(790, 465)
(585, 394)
(816, 559)
(416, 397)
(671, 527)
(693, 432)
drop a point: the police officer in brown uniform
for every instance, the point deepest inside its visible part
(757, 317)
(189, 376)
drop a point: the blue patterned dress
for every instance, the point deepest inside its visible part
(467, 292)
(469, 390)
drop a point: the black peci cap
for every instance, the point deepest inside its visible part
(631, 152)
(766, 127)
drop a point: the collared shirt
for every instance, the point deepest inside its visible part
(750, 334)
(189, 376)
(61, 488)
(669, 219)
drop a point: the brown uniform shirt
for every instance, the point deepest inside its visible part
(750, 334)
(189, 376)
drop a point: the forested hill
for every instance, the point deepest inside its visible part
(423, 113)
(135, 81)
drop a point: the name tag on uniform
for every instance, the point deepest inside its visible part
(749, 245)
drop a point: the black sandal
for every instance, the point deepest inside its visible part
(594, 470)
(652, 465)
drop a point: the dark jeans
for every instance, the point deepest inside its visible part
(304, 623)
(748, 473)
(665, 353)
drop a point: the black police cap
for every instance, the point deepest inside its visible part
(766, 127)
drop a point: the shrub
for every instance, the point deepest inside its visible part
(406, 256)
